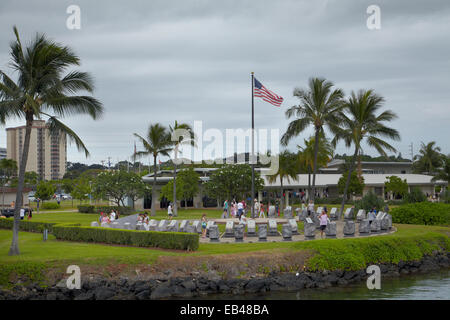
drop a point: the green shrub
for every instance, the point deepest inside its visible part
(50, 206)
(369, 201)
(416, 195)
(24, 225)
(122, 210)
(446, 197)
(427, 213)
(166, 240)
(86, 209)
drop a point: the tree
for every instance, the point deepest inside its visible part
(157, 142)
(81, 189)
(319, 106)
(306, 155)
(134, 187)
(288, 168)
(429, 159)
(8, 169)
(397, 186)
(232, 180)
(68, 186)
(359, 122)
(444, 172)
(45, 190)
(181, 134)
(187, 182)
(355, 187)
(43, 89)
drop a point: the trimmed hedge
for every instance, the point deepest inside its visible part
(29, 226)
(166, 240)
(107, 209)
(50, 206)
(427, 213)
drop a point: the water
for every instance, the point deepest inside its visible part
(431, 286)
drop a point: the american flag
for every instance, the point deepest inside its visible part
(262, 92)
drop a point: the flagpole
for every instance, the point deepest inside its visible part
(253, 149)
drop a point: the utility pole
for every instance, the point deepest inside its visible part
(411, 151)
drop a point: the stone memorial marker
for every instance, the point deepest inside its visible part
(364, 227)
(262, 232)
(316, 220)
(173, 226)
(105, 225)
(349, 228)
(251, 228)
(239, 232)
(298, 212)
(115, 225)
(288, 213)
(333, 214)
(197, 225)
(273, 228)
(309, 229)
(94, 224)
(287, 232)
(384, 224)
(348, 215)
(127, 226)
(153, 225)
(375, 227)
(380, 215)
(304, 214)
(140, 227)
(330, 230)
(271, 213)
(229, 230)
(208, 225)
(361, 215)
(162, 225)
(389, 217)
(184, 225)
(214, 233)
(319, 210)
(294, 226)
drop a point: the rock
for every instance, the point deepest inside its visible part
(85, 296)
(143, 295)
(160, 292)
(103, 293)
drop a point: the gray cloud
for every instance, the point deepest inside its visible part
(157, 61)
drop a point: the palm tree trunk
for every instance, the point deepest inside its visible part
(153, 213)
(175, 209)
(14, 249)
(347, 183)
(316, 150)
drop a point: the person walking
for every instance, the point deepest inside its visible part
(261, 210)
(323, 222)
(310, 208)
(204, 223)
(372, 215)
(225, 210)
(256, 206)
(240, 207)
(169, 211)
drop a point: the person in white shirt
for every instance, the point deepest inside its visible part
(112, 216)
(255, 208)
(240, 207)
(310, 207)
(169, 211)
(22, 213)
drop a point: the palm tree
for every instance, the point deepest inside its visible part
(43, 89)
(288, 169)
(157, 142)
(181, 134)
(306, 155)
(429, 158)
(319, 107)
(444, 172)
(362, 124)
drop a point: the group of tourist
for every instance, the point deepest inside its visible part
(238, 209)
(108, 218)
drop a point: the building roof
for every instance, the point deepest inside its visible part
(328, 180)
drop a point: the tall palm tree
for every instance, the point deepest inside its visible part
(157, 142)
(429, 158)
(44, 88)
(361, 123)
(288, 169)
(306, 155)
(181, 134)
(319, 106)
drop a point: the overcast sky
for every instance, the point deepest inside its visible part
(160, 61)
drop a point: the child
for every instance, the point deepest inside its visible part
(261, 210)
(323, 222)
(204, 225)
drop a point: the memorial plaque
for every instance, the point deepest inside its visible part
(229, 230)
(173, 226)
(184, 226)
(330, 230)
(162, 225)
(319, 210)
(333, 214)
(127, 226)
(214, 233)
(288, 213)
(384, 224)
(389, 217)
(153, 225)
(197, 225)
(251, 228)
(94, 224)
(294, 226)
(348, 215)
(208, 225)
(309, 229)
(381, 215)
(364, 227)
(262, 232)
(239, 232)
(375, 227)
(349, 228)
(273, 228)
(361, 215)
(287, 232)
(271, 213)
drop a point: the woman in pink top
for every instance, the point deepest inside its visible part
(323, 222)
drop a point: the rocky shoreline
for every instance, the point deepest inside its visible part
(195, 285)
